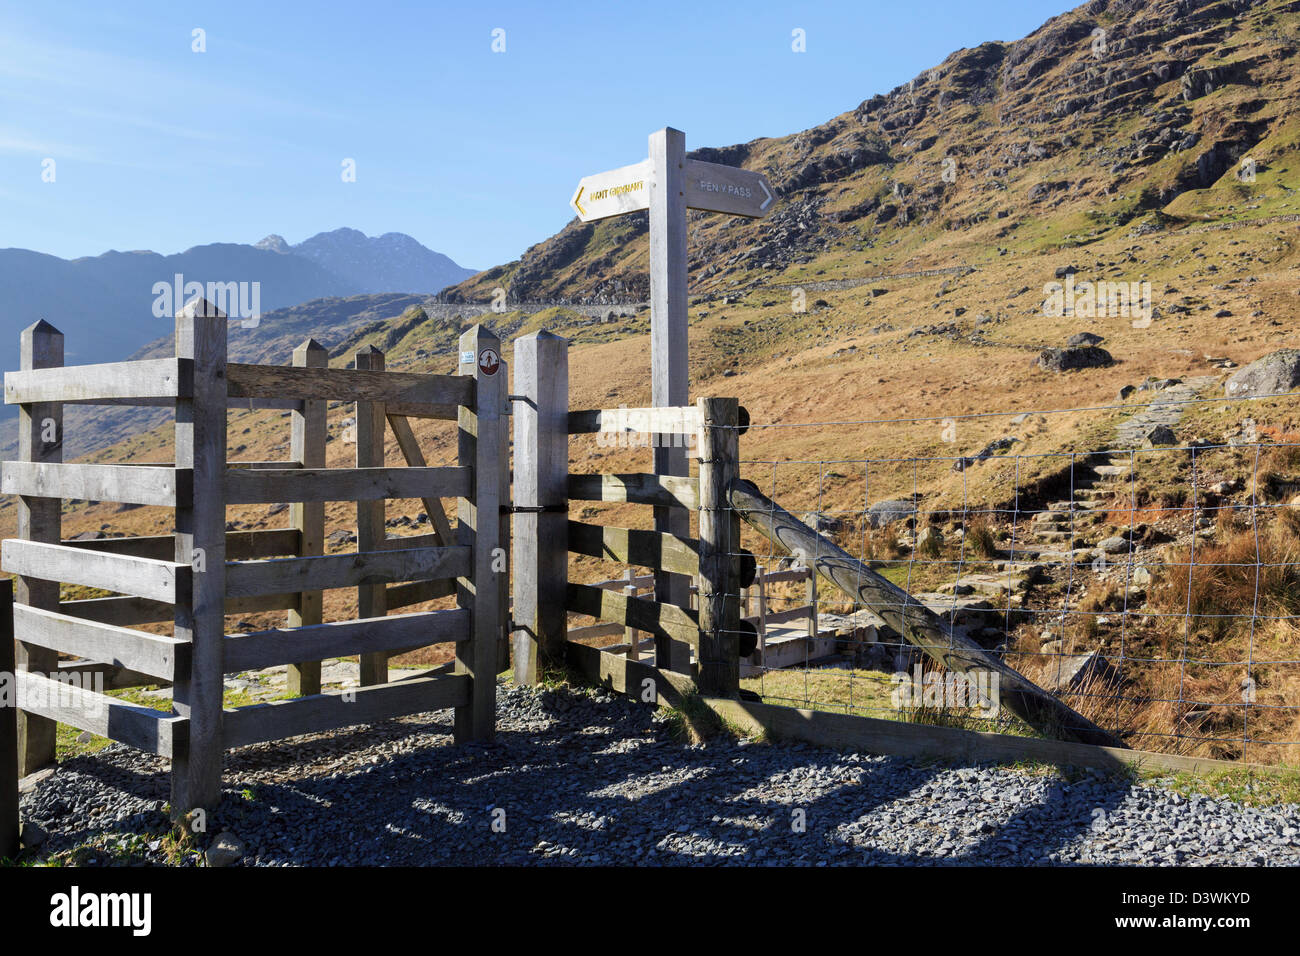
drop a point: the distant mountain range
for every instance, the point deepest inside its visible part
(108, 306)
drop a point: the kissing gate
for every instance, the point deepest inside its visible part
(202, 573)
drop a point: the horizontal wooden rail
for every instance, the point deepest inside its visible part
(114, 677)
(154, 654)
(321, 572)
(256, 465)
(651, 421)
(663, 490)
(142, 577)
(645, 615)
(132, 611)
(395, 633)
(270, 486)
(646, 549)
(588, 631)
(153, 731)
(417, 592)
(129, 484)
(362, 705)
(781, 617)
(114, 383)
(240, 545)
(349, 385)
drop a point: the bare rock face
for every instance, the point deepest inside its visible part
(1274, 374)
(1067, 359)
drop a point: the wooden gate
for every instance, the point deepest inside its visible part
(202, 573)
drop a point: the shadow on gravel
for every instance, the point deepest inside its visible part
(575, 780)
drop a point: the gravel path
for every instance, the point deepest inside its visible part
(592, 778)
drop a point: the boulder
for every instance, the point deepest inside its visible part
(1159, 435)
(1084, 338)
(1274, 374)
(1064, 360)
(1073, 672)
(1115, 545)
(823, 523)
(225, 850)
(884, 513)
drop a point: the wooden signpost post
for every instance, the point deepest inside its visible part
(667, 184)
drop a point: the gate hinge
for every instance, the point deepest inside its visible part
(535, 509)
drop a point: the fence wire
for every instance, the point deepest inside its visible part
(1155, 590)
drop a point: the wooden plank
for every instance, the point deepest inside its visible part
(646, 549)
(719, 551)
(63, 701)
(40, 440)
(370, 513)
(113, 677)
(640, 613)
(363, 705)
(411, 410)
(588, 631)
(669, 370)
(387, 635)
(645, 682)
(272, 486)
(113, 382)
(410, 449)
(132, 611)
(143, 577)
(346, 385)
(240, 545)
(782, 617)
(920, 626)
(417, 592)
(157, 655)
(8, 730)
(925, 741)
(659, 490)
(129, 484)
(480, 435)
(618, 584)
(307, 439)
(682, 421)
(201, 544)
(269, 464)
(279, 575)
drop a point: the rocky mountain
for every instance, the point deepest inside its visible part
(392, 262)
(1119, 116)
(108, 306)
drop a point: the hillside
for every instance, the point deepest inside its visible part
(917, 351)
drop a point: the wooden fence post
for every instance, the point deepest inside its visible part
(719, 660)
(40, 438)
(478, 525)
(307, 447)
(372, 599)
(8, 730)
(201, 544)
(541, 556)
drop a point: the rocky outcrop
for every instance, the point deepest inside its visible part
(1274, 374)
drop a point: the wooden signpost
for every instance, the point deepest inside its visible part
(667, 184)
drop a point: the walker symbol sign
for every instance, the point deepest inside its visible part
(489, 361)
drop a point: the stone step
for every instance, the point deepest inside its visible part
(1113, 471)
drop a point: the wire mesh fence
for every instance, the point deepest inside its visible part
(1155, 590)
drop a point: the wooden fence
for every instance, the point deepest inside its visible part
(202, 573)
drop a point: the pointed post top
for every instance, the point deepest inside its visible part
(370, 349)
(40, 328)
(541, 335)
(310, 345)
(480, 352)
(200, 308)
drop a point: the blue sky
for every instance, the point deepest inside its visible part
(474, 153)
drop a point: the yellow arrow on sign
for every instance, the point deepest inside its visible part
(578, 205)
